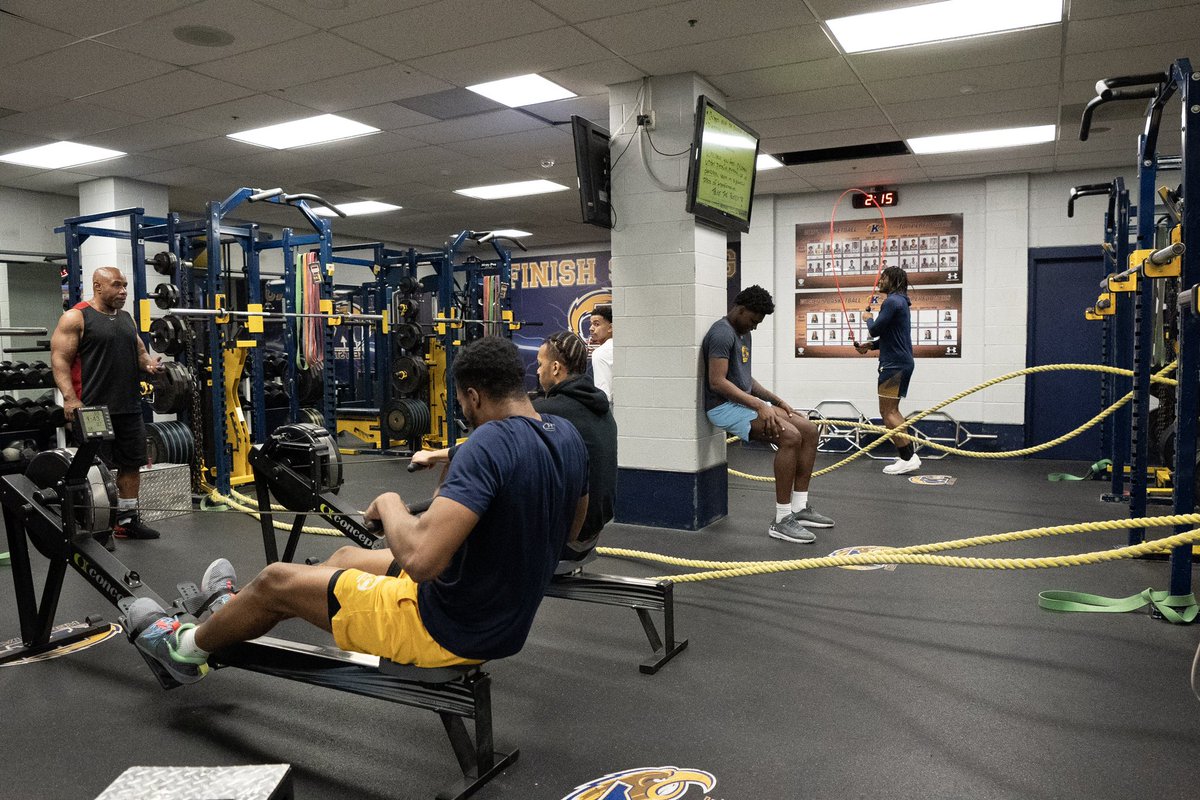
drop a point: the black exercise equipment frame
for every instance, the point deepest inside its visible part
(569, 582)
(454, 693)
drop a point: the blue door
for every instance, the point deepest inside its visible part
(1063, 281)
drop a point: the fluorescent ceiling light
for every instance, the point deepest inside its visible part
(60, 155)
(357, 209)
(765, 162)
(523, 90)
(981, 140)
(303, 132)
(511, 233)
(935, 22)
(519, 189)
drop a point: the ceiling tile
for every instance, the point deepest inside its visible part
(836, 98)
(330, 16)
(280, 66)
(785, 79)
(867, 178)
(243, 114)
(253, 26)
(525, 150)
(143, 136)
(693, 22)
(448, 25)
(539, 52)
(1005, 156)
(216, 149)
(19, 98)
(366, 88)
(818, 123)
(581, 10)
(131, 166)
(1090, 9)
(1130, 30)
(968, 105)
(91, 17)
(933, 126)
(53, 182)
(980, 80)
(817, 141)
(71, 120)
(82, 69)
(493, 123)
(173, 93)
(389, 116)
(595, 77)
(739, 53)
(980, 168)
(872, 165)
(20, 40)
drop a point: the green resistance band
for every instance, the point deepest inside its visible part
(1094, 471)
(1177, 608)
(5, 559)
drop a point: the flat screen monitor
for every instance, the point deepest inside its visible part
(591, 168)
(722, 170)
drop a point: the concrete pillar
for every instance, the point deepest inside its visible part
(111, 194)
(668, 278)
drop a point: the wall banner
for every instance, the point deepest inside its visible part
(556, 292)
(928, 248)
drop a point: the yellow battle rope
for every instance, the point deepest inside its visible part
(888, 433)
(252, 510)
(921, 554)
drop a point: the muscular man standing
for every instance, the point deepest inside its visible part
(97, 358)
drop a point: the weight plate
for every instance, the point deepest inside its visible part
(166, 295)
(409, 375)
(408, 336)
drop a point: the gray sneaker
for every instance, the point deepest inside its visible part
(790, 530)
(812, 519)
(219, 583)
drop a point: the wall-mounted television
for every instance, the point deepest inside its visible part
(591, 169)
(721, 174)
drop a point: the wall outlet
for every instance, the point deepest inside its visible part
(646, 120)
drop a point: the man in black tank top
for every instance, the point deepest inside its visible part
(98, 358)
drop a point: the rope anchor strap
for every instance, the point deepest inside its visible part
(1176, 608)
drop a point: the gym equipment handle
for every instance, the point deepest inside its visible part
(1085, 191)
(1110, 90)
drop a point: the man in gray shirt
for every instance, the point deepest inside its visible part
(737, 403)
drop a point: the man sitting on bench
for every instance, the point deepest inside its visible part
(473, 568)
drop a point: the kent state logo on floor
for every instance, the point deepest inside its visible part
(648, 783)
(66, 629)
(861, 549)
(933, 480)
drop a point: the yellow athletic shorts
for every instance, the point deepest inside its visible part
(378, 615)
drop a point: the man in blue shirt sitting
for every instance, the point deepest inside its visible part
(473, 568)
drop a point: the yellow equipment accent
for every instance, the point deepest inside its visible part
(437, 437)
(221, 319)
(1105, 307)
(383, 327)
(237, 433)
(254, 322)
(144, 316)
(327, 309)
(365, 428)
(1127, 284)
(1174, 267)
(1091, 315)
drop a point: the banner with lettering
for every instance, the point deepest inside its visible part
(556, 292)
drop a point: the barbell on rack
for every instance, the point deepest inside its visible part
(255, 315)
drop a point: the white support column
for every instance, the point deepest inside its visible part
(111, 194)
(668, 278)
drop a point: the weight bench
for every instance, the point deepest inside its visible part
(571, 582)
(456, 693)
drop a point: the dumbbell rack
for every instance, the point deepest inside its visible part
(24, 419)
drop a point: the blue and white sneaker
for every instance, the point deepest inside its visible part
(158, 640)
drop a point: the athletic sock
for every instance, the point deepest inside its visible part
(906, 452)
(127, 508)
(799, 501)
(187, 650)
(781, 511)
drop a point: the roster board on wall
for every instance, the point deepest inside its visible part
(928, 248)
(824, 330)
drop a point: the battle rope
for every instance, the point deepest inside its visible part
(253, 511)
(888, 433)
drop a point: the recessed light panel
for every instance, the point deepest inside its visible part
(523, 90)
(936, 22)
(60, 155)
(500, 191)
(357, 209)
(981, 140)
(303, 132)
(765, 162)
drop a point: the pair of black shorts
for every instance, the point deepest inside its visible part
(893, 382)
(128, 449)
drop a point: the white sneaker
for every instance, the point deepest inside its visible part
(900, 466)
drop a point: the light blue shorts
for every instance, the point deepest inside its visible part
(734, 418)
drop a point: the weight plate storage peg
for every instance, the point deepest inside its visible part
(166, 295)
(168, 334)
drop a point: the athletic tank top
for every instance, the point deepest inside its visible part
(105, 371)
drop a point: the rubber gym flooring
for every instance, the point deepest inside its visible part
(918, 682)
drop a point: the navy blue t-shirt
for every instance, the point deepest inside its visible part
(893, 327)
(524, 478)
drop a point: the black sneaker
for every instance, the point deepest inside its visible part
(134, 529)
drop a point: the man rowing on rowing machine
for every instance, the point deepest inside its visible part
(472, 569)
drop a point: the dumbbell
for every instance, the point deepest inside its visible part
(35, 375)
(55, 417)
(39, 414)
(7, 375)
(12, 415)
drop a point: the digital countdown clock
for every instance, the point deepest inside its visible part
(880, 198)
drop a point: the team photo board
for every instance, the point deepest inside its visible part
(825, 330)
(929, 248)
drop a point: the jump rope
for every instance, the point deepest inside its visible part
(838, 261)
